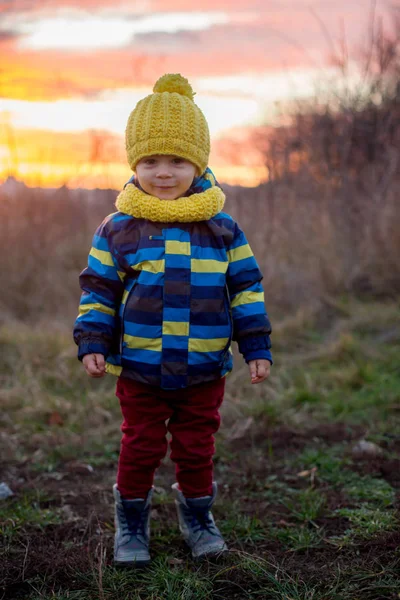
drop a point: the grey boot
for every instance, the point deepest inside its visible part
(197, 524)
(132, 530)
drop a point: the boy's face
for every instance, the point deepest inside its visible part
(165, 176)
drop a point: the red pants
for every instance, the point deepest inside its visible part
(193, 418)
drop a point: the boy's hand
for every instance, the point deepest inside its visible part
(94, 364)
(259, 370)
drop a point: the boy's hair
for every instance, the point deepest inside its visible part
(168, 122)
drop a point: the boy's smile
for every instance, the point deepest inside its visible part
(167, 176)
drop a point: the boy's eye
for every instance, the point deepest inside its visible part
(178, 160)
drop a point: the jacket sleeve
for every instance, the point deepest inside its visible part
(251, 326)
(102, 289)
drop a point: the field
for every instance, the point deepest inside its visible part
(307, 513)
(308, 463)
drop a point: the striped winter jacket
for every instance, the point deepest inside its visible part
(163, 301)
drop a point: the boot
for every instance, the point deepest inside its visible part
(197, 524)
(132, 530)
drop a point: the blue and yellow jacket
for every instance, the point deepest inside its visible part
(168, 286)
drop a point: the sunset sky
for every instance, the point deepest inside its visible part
(72, 70)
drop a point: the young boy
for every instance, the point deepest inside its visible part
(170, 282)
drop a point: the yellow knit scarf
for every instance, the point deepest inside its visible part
(197, 207)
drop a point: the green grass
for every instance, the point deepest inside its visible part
(307, 505)
(366, 522)
(369, 489)
(248, 529)
(380, 581)
(297, 538)
(272, 583)
(334, 467)
(27, 511)
(330, 461)
(164, 581)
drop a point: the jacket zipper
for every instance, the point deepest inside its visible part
(122, 321)
(228, 345)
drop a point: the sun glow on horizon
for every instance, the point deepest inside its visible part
(81, 141)
(113, 175)
(50, 143)
(42, 158)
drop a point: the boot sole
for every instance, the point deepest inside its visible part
(136, 564)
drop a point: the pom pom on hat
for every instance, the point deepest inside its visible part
(174, 82)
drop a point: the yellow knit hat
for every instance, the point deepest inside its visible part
(168, 122)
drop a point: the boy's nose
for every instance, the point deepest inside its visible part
(163, 169)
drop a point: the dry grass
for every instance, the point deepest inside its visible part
(311, 240)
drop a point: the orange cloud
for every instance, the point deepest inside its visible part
(42, 75)
(45, 76)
